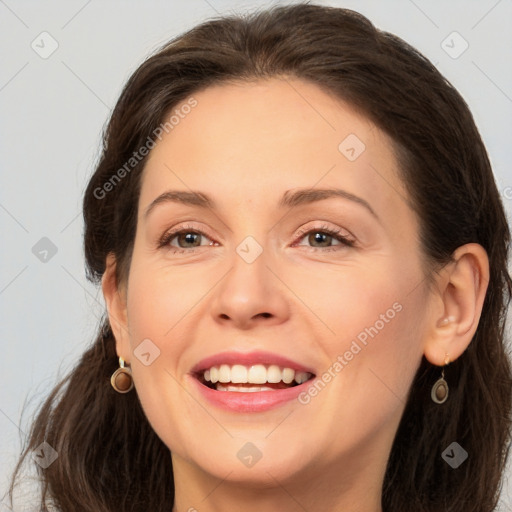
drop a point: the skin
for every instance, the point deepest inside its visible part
(245, 145)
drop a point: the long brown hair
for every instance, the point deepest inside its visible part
(109, 457)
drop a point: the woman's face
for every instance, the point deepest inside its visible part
(262, 273)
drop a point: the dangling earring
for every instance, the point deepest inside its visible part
(439, 391)
(122, 380)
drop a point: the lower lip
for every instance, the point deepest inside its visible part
(254, 401)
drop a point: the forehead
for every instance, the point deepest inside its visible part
(251, 141)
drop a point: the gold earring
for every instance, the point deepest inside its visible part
(122, 380)
(439, 393)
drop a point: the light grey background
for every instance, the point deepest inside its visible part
(52, 114)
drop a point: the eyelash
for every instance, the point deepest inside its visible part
(335, 233)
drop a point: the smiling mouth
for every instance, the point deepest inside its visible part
(255, 378)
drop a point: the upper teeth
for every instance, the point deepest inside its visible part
(255, 374)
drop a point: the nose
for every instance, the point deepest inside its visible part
(250, 294)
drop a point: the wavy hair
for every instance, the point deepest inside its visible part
(110, 459)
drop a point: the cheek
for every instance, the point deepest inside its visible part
(350, 303)
(371, 339)
(160, 298)
(160, 312)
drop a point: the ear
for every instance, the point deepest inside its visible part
(115, 299)
(458, 304)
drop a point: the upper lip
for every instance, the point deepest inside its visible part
(248, 359)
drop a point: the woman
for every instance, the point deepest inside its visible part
(240, 365)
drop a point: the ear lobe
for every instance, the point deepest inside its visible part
(115, 299)
(462, 288)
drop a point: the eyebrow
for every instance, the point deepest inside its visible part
(290, 199)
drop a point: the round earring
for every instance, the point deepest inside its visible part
(122, 380)
(439, 393)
